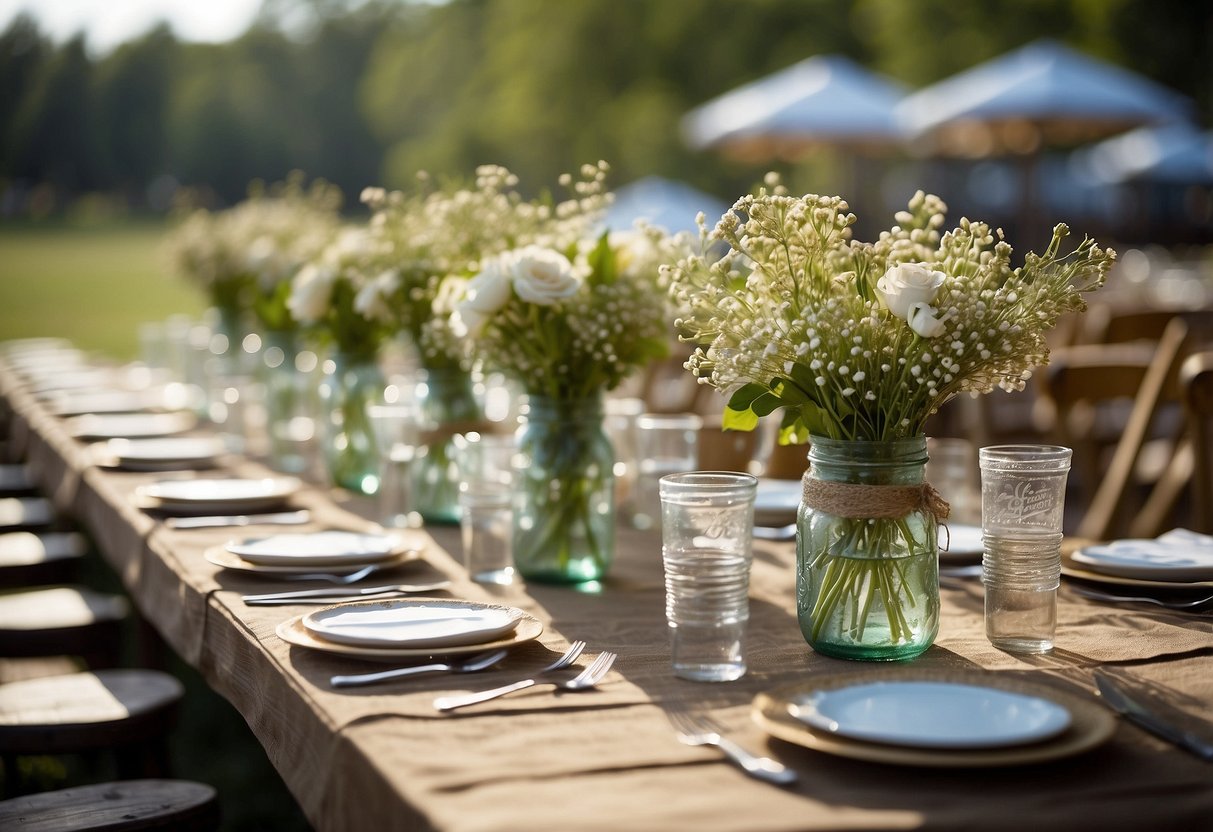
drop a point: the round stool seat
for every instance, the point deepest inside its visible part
(115, 807)
(29, 559)
(85, 711)
(25, 512)
(61, 620)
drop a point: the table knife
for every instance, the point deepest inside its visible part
(1132, 708)
(280, 518)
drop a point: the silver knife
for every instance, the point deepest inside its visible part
(1124, 703)
(280, 518)
(301, 596)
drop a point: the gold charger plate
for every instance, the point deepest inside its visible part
(293, 632)
(1091, 724)
(220, 556)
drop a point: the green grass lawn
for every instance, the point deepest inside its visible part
(92, 284)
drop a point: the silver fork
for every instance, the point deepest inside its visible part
(1097, 595)
(700, 729)
(585, 680)
(568, 658)
(326, 596)
(349, 578)
(481, 661)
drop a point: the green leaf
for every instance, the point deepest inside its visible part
(766, 404)
(788, 392)
(738, 419)
(604, 269)
(745, 396)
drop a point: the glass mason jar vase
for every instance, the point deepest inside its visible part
(447, 407)
(350, 385)
(867, 584)
(564, 492)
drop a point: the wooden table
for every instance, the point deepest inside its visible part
(382, 758)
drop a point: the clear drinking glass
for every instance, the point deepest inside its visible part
(1023, 491)
(665, 444)
(706, 526)
(487, 523)
(395, 430)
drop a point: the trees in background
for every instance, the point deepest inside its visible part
(374, 91)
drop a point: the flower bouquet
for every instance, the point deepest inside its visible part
(567, 317)
(859, 343)
(341, 300)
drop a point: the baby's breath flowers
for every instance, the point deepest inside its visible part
(860, 340)
(859, 343)
(246, 256)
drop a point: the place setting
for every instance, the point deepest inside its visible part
(929, 718)
(342, 558)
(1174, 570)
(218, 495)
(99, 426)
(169, 453)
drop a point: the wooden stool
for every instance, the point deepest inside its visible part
(62, 620)
(30, 559)
(15, 479)
(25, 513)
(128, 711)
(115, 807)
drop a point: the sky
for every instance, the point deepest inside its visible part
(107, 23)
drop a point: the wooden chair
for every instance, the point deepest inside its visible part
(1104, 325)
(786, 462)
(1196, 382)
(178, 805)
(17, 513)
(15, 480)
(1153, 386)
(727, 450)
(127, 712)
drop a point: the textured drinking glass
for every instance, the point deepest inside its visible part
(665, 444)
(487, 522)
(395, 429)
(484, 457)
(707, 518)
(1023, 490)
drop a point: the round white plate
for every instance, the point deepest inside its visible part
(218, 495)
(106, 401)
(130, 425)
(222, 557)
(1154, 560)
(412, 623)
(293, 632)
(963, 541)
(928, 714)
(164, 453)
(326, 548)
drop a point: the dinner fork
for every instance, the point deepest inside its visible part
(585, 680)
(568, 658)
(481, 661)
(348, 578)
(1097, 595)
(700, 729)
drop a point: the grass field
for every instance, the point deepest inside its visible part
(92, 284)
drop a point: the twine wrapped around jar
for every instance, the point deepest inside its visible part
(857, 501)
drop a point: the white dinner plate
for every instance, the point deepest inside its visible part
(73, 403)
(293, 632)
(414, 623)
(1168, 559)
(963, 541)
(218, 495)
(776, 501)
(326, 548)
(163, 453)
(926, 714)
(222, 557)
(130, 425)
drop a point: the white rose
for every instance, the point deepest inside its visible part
(906, 284)
(467, 322)
(371, 302)
(543, 276)
(489, 290)
(923, 321)
(310, 293)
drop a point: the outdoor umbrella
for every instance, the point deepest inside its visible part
(1043, 94)
(662, 202)
(1177, 154)
(823, 100)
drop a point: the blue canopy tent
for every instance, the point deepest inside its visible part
(1177, 154)
(662, 202)
(823, 100)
